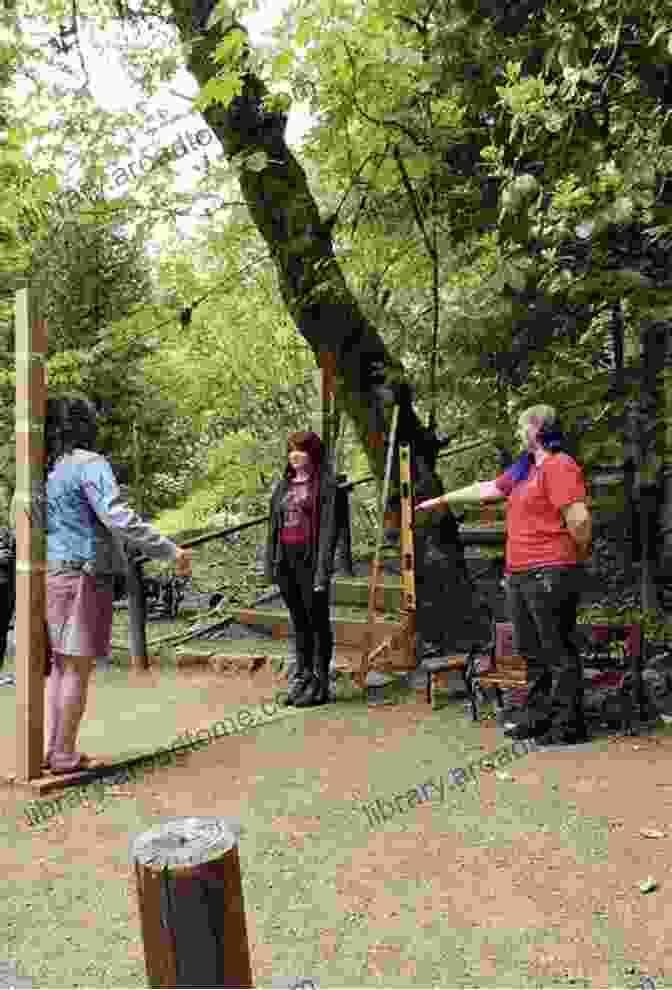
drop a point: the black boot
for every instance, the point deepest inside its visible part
(309, 695)
(323, 696)
(298, 684)
(563, 734)
(317, 691)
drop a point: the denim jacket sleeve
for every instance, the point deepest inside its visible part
(105, 498)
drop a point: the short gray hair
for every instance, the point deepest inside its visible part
(546, 415)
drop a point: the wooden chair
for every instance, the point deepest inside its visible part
(500, 668)
(438, 670)
(617, 651)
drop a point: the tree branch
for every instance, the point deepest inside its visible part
(373, 120)
(413, 201)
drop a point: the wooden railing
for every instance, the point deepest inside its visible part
(488, 535)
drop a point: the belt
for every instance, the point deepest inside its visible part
(73, 565)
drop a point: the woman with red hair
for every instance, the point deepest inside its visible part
(308, 512)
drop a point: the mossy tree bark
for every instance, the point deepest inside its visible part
(311, 281)
(328, 316)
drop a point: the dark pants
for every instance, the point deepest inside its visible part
(6, 610)
(309, 610)
(542, 605)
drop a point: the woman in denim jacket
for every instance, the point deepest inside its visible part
(88, 525)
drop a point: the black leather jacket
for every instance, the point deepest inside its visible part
(334, 523)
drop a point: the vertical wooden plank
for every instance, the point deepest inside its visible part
(489, 515)
(137, 616)
(407, 541)
(30, 354)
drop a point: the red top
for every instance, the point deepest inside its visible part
(536, 531)
(298, 513)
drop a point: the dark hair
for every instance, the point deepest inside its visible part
(308, 442)
(69, 423)
(551, 438)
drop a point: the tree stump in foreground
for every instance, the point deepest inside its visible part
(191, 904)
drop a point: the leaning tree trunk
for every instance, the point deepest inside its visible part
(312, 284)
(328, 316)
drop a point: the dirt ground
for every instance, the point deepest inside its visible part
(528, 878)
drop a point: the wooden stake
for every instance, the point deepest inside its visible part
(191, 904)
(137, 616)
(30, 522)
(408, 603)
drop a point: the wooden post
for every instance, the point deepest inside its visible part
(489, 514)
(30, 522)
(407, 540)
(137, 616)
(191, 904)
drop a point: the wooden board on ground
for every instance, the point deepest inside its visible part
(347, 632)
(230, 654)
(222, 662)
(102, 766)
(350, 663)
(225, 663)
(507, 680)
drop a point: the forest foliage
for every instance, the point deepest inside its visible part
(496, 179)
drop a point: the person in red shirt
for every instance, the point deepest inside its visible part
(549, 535)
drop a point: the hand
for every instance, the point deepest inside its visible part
(319, 587)
(428, 504)
(183, 562)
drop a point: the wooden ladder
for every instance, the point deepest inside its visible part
(403, 638)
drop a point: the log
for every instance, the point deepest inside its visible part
(191, 904)
(503, 680)
(137, 616)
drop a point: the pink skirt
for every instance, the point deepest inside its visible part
(79, 614)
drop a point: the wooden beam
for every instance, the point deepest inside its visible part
(407, 546)
(137, 616)
(30, 522)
